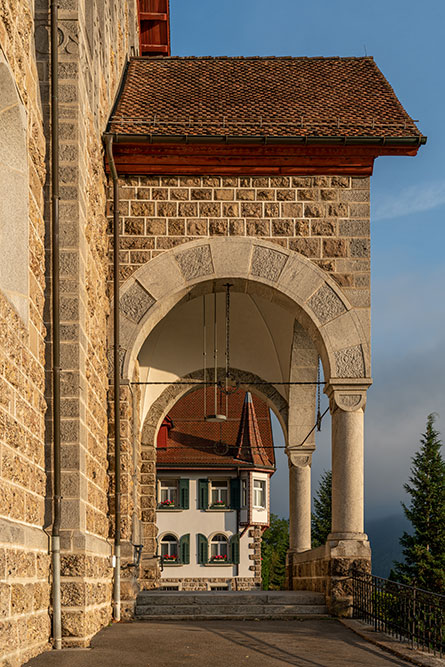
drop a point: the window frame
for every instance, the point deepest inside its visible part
(219, 557)
(181, 486)
(173, 485)
(263, 492)
(244, 494)
(213, 488)
(169, 543)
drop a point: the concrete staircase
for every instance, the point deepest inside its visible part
(228, 605)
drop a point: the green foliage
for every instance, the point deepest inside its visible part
(321, 517)
(274, 546)
(424, 549)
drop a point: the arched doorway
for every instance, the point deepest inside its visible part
(288, 313)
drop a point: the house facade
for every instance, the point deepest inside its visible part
(213, 493)
(133, 189)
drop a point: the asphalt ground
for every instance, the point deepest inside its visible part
(307, 643)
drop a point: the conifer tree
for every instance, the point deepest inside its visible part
(424, 549)
(321, 517)
(274, 546)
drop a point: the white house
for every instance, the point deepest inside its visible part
(213, 480)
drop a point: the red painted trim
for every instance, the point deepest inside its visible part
(239, 159)
(153, 14)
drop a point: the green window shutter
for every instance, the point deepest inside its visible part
(184, 494)
(234, 549)
(235, 493)
(203, 493)
(203, 549)
(184, 549)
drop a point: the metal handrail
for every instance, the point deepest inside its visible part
(407, 613)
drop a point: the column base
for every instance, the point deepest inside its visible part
(337, 537)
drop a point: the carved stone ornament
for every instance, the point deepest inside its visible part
(267, 263)
(348, 402)
(195, 262)
(299, 459)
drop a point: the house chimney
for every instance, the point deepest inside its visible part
(154, 27)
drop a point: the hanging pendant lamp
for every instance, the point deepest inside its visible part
(216, 416)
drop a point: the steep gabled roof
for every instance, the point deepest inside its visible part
(249, 444)
(266, 97)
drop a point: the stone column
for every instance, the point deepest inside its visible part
(347, 411)
(300, 501)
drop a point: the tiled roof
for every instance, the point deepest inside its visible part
(249, 442)
(194, 441)
(271, 97)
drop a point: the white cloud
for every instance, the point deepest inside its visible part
(412, 199)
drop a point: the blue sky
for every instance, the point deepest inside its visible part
(407, 211)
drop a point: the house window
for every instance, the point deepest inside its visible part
(169, 548)
(219, 494)
(219, 548)
(168, 493)
(244, 493)
(259, 493)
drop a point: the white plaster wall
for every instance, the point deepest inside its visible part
(207, 522)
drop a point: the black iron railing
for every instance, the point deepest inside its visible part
(407, 613)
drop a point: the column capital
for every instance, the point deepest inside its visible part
(347, 394)
(299, 458)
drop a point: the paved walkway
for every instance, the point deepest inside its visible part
(310, 643)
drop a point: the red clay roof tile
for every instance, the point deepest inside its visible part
(275, 97)
(193, 441)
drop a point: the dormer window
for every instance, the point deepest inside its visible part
(164, 432)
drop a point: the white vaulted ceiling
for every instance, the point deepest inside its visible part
(260, 342)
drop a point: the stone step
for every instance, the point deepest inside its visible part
(232, 597)
(185, 605)
(230, 610)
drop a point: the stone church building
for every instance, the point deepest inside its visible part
(199, 172)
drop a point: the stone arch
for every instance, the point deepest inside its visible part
(14, 205)
(253, 266)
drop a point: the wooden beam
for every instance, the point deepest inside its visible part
(153, 16)
(154, 48)
(233, 159)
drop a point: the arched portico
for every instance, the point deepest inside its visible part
(326, 325)
(281, 275)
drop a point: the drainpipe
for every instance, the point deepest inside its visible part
(117, 429)
(55, 535)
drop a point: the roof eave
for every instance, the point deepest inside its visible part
(267, 140)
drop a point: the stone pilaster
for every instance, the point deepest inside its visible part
(94, 41)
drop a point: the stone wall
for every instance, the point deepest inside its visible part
(327, 569)
(325, 218)
(205, 584)
(24, 560)
(95, 39)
